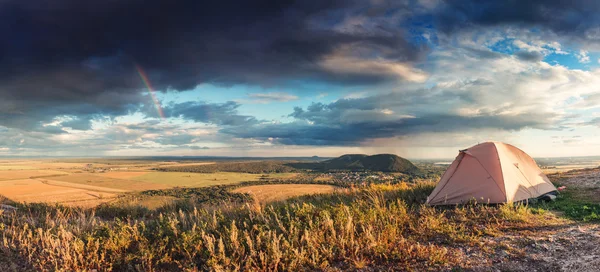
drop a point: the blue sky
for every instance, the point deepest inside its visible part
(420, 79)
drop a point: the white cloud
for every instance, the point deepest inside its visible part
(583, 56)
(321, 95)
(502, 85)
(375, 67)
(344, 61)
(557, 48)
(355, 95)
(529, 47)
(265, 98)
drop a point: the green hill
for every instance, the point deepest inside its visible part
(361, 162)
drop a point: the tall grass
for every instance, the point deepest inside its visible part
(381, 227)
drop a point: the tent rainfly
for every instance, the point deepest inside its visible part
(491, 172)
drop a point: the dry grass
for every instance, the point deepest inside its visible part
(81, 186)
(176, 164)
(277, 192)
(147, 202)
(25, 174)
(121, 174)
(195, 179)
(36, 191)
(102, 180)
(374, 229)
(17, 167)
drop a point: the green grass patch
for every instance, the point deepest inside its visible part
(573, 206)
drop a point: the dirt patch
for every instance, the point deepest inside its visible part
(277, 192)
(570, 247)
(585, 181)
(584, 178)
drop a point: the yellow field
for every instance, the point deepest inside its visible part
(175, 164)
(35, 191)
(81, 186)
(121, 175)
(16, 167)
(104, 180)
(89, 182)
(174, 179)
(25, 174)
(277, 192)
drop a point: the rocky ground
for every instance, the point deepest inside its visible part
(568, 246)
(571, 247)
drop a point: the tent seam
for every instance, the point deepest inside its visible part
(490, 176)
(522, 174)
(501, 173)
(449, 178)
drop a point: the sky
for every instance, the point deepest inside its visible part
(418, 78)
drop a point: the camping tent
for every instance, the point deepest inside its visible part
(491, 172)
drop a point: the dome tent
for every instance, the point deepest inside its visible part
(491, 172)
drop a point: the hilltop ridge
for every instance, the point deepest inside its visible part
(379, 162)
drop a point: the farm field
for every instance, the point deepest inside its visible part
(174, 179)
(176, 164)
(34, 190)
(104, 180)
(24, 174)
(278, 192)
(89, 182)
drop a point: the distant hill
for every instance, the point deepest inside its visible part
(362, 162)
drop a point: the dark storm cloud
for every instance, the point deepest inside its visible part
(301, 133)
(529, 56)
(58, 55)
(576, 18)
(210, 113)
(352, 121)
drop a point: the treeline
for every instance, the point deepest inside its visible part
(261, 167)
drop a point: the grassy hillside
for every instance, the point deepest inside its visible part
(350, 162)
(361, 162)
(377, 228)
(260, 167)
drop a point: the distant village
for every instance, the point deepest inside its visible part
(90, 168)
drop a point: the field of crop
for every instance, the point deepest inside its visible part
(17, 167)
(36, 190)
(105, 180)
(91, 182)
(174, 179)
(254, 167)
(277, 192)
(24, 174)
(42, 164)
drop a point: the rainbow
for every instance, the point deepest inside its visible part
(151, 90)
